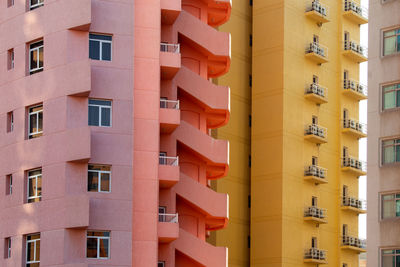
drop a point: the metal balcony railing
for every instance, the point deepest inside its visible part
(315, 254)
(172, 161)
(354, 202)
(165, 217)
(317, 90)
(318, 7)
(171, 48)
(316, 171)
(317, 49)
(353, 46)
(315, 212)
(354, 163)
(355, 86)
(355, 125)
(314, 129)
(171, 104)
(350, 5)
(351, 241)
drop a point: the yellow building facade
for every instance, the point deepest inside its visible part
(304, 135)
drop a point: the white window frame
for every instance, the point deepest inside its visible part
(37, 176)
(26, 249)
(39, 4)
(8, 245)
(98, 244)
(11, 121)
(385, 37)
(99, 179)
(37, 49)
(100, 109)
(162, 263)
(34, 113)
(101, 46)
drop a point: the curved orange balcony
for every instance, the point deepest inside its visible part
(213, 98)
(207, 40)
(219, 12)
(214, 205)
(214, 152)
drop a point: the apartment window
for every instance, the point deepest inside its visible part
(10, 3)
(34, 191)
(10, 122)
(391, 96)
(98, 244)
(345, 230)
(390, 151)
(390, 205)
(315, 79)
(161, 264)
(314, 120)
(315, 39)
(345, 190)
(99, 178)
(314, 201)
(163, 158)
(314, 242)
(314, 161)
(33, 250)
(344, 265)
(36, 57)
(345, 152)
(161, 213)
(100, 47)
(7, 248)
(390, 257)
(100, 112)
(163, 102)
(35, 121)
(10, 59)
(9, 184)
(35, 4)
(391, 42)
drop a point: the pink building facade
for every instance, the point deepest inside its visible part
(105, 117)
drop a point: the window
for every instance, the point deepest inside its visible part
(161, 213)
(390, 205)
(314, 201)
(314, 120)
(345, 190)
(36, 57)
(98, 244)
(163, 102)
(34, 185)
(35, 121)
(315, 39)
(10, 59)
(9, 181)
(391, 42)
(390, 151)
(99, 178)
(163, 158)
(7, 248)
(100, 47)
(315, 79)
(100, 112)
(35, 4)
(391, 96)
(33, 250)
(161, 264)
(390, 257)
(10, 122)
(10, 3)
(314, 242)
(345, 230)
(314, 161)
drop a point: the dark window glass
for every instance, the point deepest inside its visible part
(94, 49)
(106, 51)
(93, 181)
(104, 248)
(92, 248)
(105, 117)
(94, 116)
(105, 182)
(100, 102)
(100, 37)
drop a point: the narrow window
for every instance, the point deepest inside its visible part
(345, 230)
(345, 75)
(345, 114)
(10, 59)
(251, 40)
(163, 158)
(345, 190)
(162, 210)
(314, 201)
(7, 248)
(36, 57)
(316, 39)
(391, 42)
(10, 122)
(314, 242)
(100, 47)
(33, 250)
(347, 41)
(345, 152)
(100, 112)
(250, 80)
(35, 4)
(163, 102)
(98, 244)
(35, 121)
(314, 161)
(314, 120)
(99, 178)
(315, 79)
(250, 121)
(34, 190)
(161, 264)
(10, 3)
(9, 184)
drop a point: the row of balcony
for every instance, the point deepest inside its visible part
(319, 135)
(351, 10)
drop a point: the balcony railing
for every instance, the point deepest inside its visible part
(354, 203)
(354, 163)
(359, 49)
(165, 217)
(171, 104)
(171, 48)
(318, 7)
(317, 49)
(355, 86)
(318, 90)
(316, 130)
(350, 5)
(355, 125)
(172, 161)
(354, 242)
(316, 171)
(315, 212)
(315, 254)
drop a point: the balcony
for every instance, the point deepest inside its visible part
(355, 52)
(354, 204)
(354, 166)
(354, 12)
(315, 256)
(170, 115)
(170, 60)
(168, 227)
(353, 243)
(355, 90)
(317, 12)
(317, 53)
(354, 128)
(314, 214)
(316, 174)
(168, 171)
(317, 94)
(170, 10)
(316, 134)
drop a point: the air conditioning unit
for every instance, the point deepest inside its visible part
(352, 124)
(322, 173)
(313, 170)
(315, 5)
(352, 85)
(359, 165)
(322, 51)
(319, 91)
(314, 88)
(352, 162)
(353, 46)
(321, 133)
(323, 11)
(360, 88)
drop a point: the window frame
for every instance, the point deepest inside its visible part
(35, 113)
(98, 244)
(101, 107)
(9, 180)
(10, 59)
(396, 143)
(36, 177)
(162, 263)
(99, 178)
(37, 49)
(101, 45)
(395, 254)
(397, 42)
(39, 4)
(382, 202)
(383, 86)
(35, 241)
(7, 247)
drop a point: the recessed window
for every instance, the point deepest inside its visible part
(391, 42)
(391, 96)
(100, 47)
(10, 122)
(98, 244)
(390, 257)
(10, 3)
(100, 112)
(9, 184)
(391, 151)
(36, 57)
(162, 214)
(161, 264)
(10, 59)
(390, 205)
(35, 4)
(7, 248)
(34, 190)
(33, 250)
(35, 121)
(99, 178)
